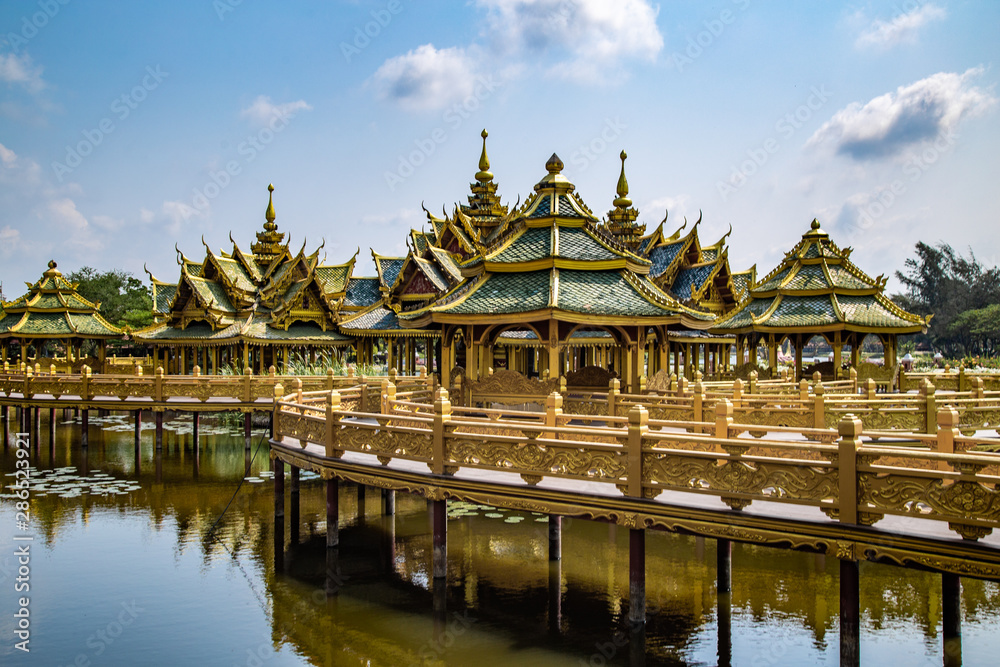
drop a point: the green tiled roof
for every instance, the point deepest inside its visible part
(531, 245)
(390, 268)
(871, 312)
(376, 319)
(447, 262)
(210, 291)
(773, 282)
(604, 293)
(9, 321)
(76, 302)
(194, 331)
(259, 330)
(742, 316)
(662, 256)
(802, 311)
(692, 277)
(194, 269)
(543, 209)
(808, 277)
(576, 243)
(741, 281)
(46, 323)
(362, 292)
(49, 301)
(708, 254)
(332, 278)
(566, 208)
(236, 274)
(91, 326)
(162, 296)
(845, 280)
(503, 293)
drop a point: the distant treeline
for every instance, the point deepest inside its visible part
(125, 300)
(963, 295)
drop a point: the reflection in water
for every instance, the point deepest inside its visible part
(272, 592)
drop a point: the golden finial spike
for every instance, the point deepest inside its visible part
(269, 214)
(622, 201)
(484, 175)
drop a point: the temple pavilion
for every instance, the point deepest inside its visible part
(543, 287)
(818, 290)
(53, 311)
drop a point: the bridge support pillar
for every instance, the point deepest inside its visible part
(138, 429)
(279, 488)
(195, 419)
(724, 560)
(951, 618)
(247, 422)
(52, 427)
(5, 415)
(850, 613)
(439, 526)
(555, 537)
(637, 576)
(293, 504)
(36, 429)
(332, 513)
(555, 597)
(85, 427)
(159, 431)
(388, 502)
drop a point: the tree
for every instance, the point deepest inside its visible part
(125, 301)
(955, 289)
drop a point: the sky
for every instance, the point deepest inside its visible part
(129, 128)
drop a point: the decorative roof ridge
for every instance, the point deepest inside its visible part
(718, 244)
(778, 298)
(836, 307)
(652, 293)
(605, 238)
(502, 242)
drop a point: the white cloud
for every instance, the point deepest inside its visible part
(919, 112)
(588, 38)
(675, 208)
(426, 77)
(903, 28)
(22, 71)
(10, 241)
(262, 110)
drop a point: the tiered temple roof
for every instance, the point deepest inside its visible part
(52, 309)
(817, 288)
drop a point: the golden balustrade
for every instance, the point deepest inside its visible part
(830, 470)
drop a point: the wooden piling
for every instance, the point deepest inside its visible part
(439, 526)
(850, 613)
(159, 431)
(332, 512)
(951, 618)
(637, 576)
(724, 565)
(555, 537)
(85, 427)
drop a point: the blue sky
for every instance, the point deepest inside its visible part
(128, 127)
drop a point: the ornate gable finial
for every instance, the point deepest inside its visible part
(554, 165)
(484, 174)
(268, 245)
(269, 213)
(621, 220)
(622, 190)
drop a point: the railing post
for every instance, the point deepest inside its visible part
(930, 409)
(737, 393)
(819, 406)
(553, 411)
(870, 389)
(638, 426)
(298, 390)
(138, 370)
(248, 385)
(978, 389)
(442, 415)
(962, 379)
(52, 369)
(854, 380)
(698, 402)
(87, 394)
(682, 386)
(614, 389)
(158, 384)
(723, 418)
(803, 389)
(196, 371)
(363, 407)
(332, 423)
(392, 375)
(673, 384)
(947, 431)
(847, 463)
(329, 379)
(752, 389)
(642, 384)
(279, 392)
(388, 397)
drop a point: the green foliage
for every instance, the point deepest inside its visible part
(124, 300)
(960, 292)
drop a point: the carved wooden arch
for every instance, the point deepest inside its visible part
(499, 329)
(618, 334)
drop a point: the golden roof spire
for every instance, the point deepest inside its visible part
(622, 201)
(484, 175)
(269, 213)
